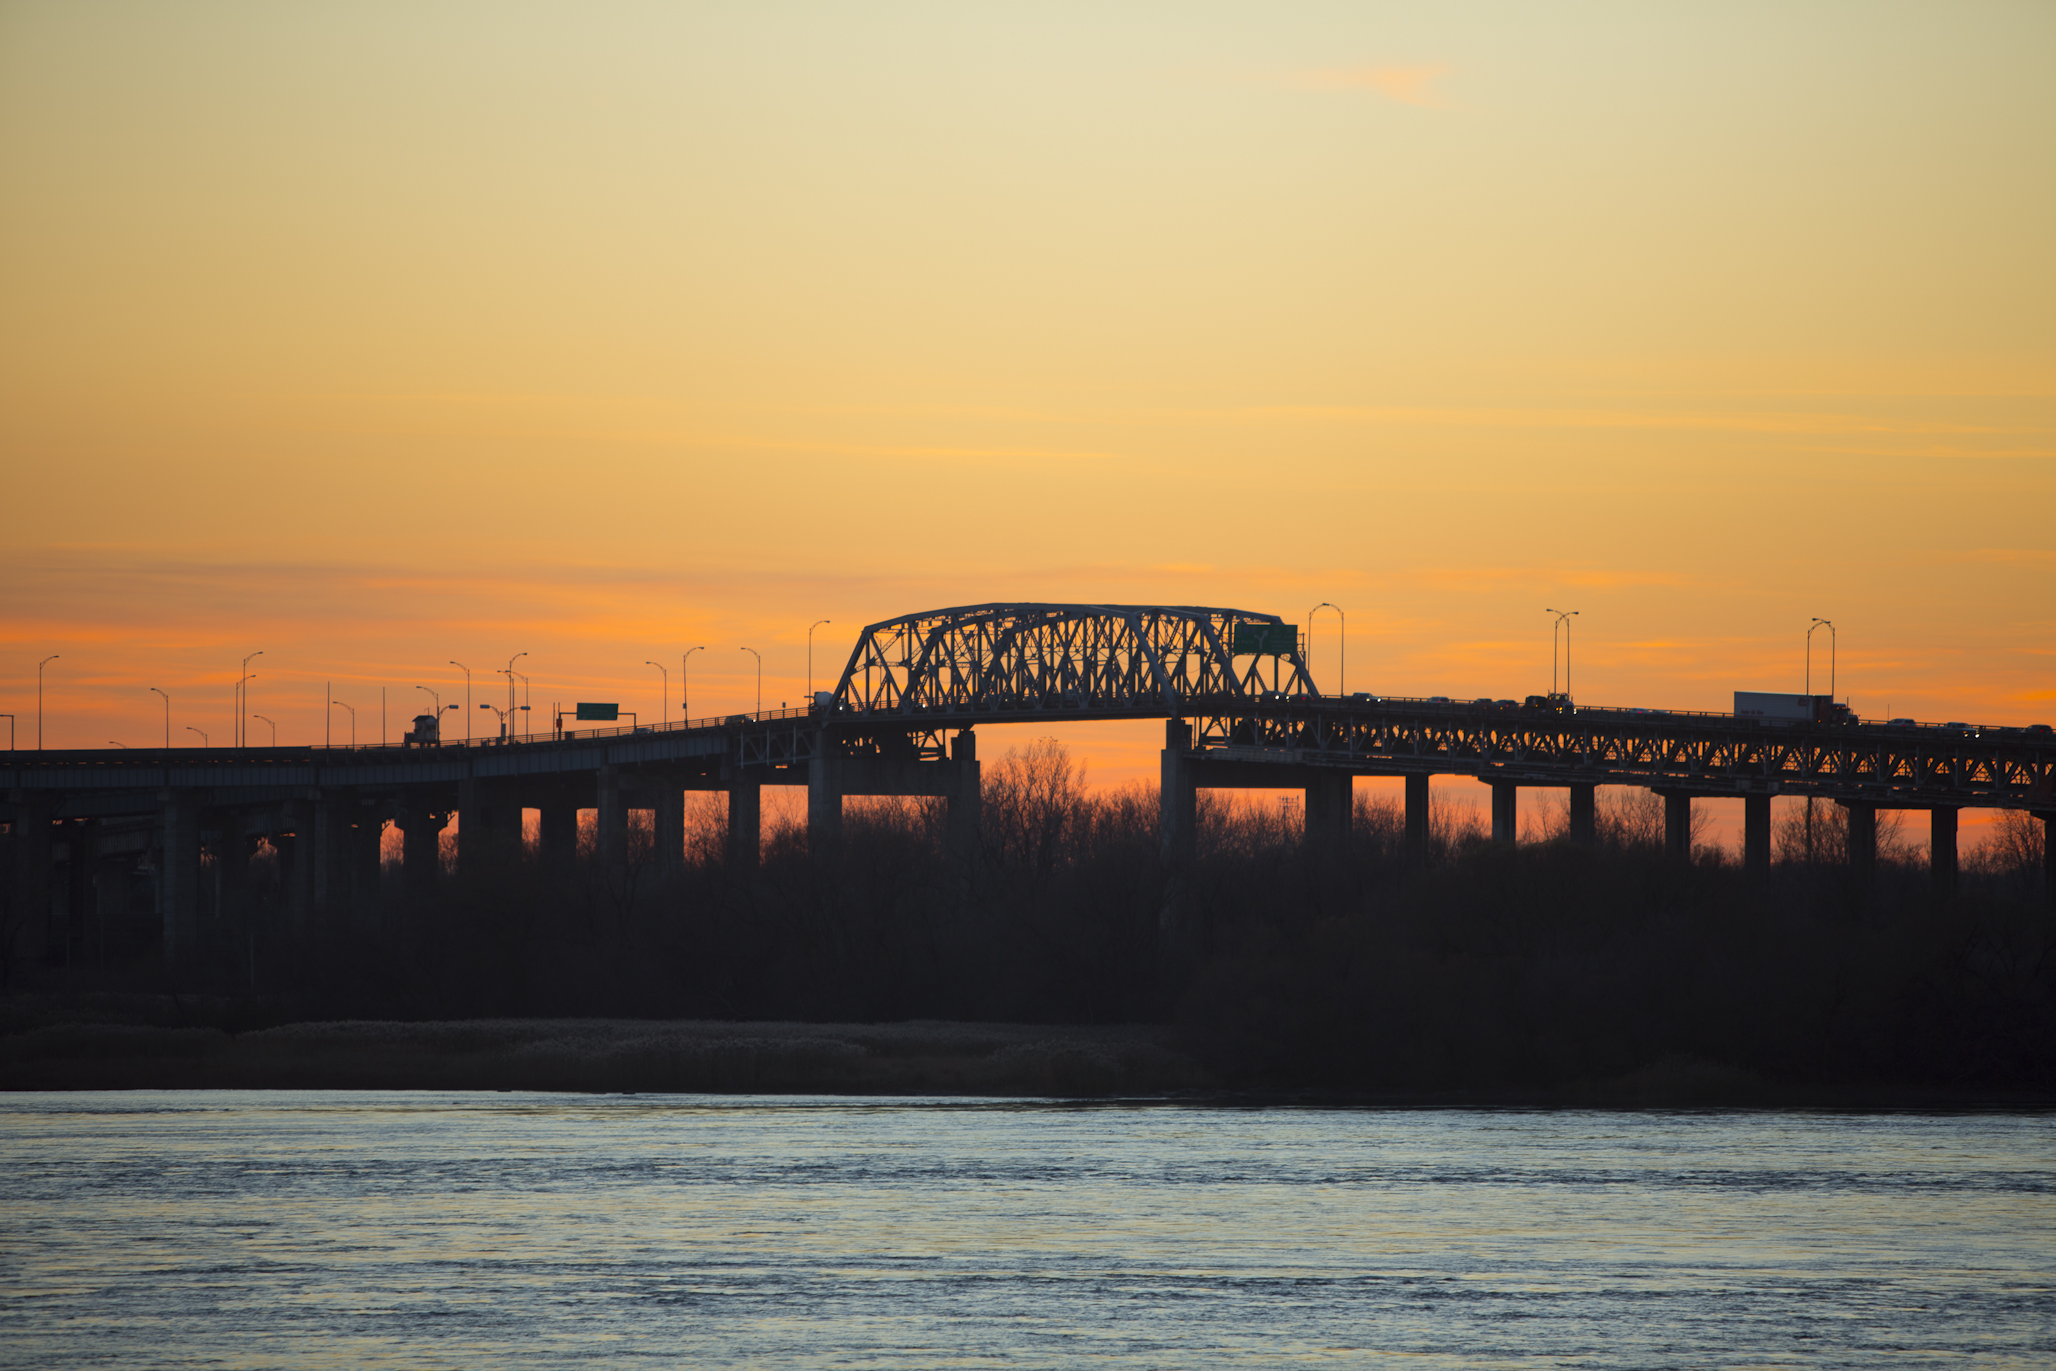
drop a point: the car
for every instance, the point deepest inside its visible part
(2040, 730)
(1439, 700)
(1958, 726)
(1901, 723)
(1504, 704)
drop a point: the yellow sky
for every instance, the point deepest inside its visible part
(376, 336)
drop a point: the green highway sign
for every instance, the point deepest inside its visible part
(1266, 640)
(599, 713)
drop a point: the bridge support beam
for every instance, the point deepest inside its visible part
(611, 822)
(2049, 856)
(557, 831)
(1177, 796)
(34, 858)
(297, 863)
(1505, 812)
(421, 851)
(824, 799)
(1417, 812)
(1942, 850)
(667, 834)
(1756, 833)
(1584, 815)
(1863, 838)
(178, 876)
(1677, 824)
(1328, 800)
(745, 822)
(488, 825)
(966, 798)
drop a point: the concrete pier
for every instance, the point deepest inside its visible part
(1863, 839)
(1506, 812)
(1417, 811)
(1677, 824)
(1756, 833)
(1584, 815)
(1942, 850)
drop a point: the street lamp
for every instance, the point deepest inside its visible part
(1342, 633)
(39, 698)
(167, 717)
(504, 714)
(274, 728)
(1563, 621)
(810, 658)
(467, 696)
(508, 671)
(242, 730)
(353, 720)
(1829, 625)
(205, 741)
(760, 676)
(664, 710)
(685, 685)
(528, 723)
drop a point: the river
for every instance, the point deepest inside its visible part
(314, 1229)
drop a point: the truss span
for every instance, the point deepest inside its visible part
(1113, 660)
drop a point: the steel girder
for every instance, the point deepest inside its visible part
(1007, 659)
(1710, 754)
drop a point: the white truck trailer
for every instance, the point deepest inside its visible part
(1769, 708)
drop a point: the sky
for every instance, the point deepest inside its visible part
(381, 336)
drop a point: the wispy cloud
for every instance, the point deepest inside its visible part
(1407, 85)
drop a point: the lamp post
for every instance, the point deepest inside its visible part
(685, 685)
(1829, 625)
(1563, 621)
(504, 714)
(123, 746)
(467, 697)
(242, 729)
(353, 720)
(39, 698)
(167, 717)
(274, 728)
(1342, 638)
(509, 672)
(664, 710)
(528, 723)
(205, 741)
(810, 658)
(760, 676)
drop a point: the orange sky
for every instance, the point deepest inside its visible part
(377, 336)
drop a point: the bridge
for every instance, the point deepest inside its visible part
(1240, 711)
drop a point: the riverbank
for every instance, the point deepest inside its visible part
(905, 1059)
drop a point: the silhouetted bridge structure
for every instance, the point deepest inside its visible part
(1240, 708)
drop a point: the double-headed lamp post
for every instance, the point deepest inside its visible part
(513, 703)
(810, 658)
(760, 676)
(467, 697)
(1563, 621)
(684, 685)
(167, 717)
(664, 707)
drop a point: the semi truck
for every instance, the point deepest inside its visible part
(1769, 708)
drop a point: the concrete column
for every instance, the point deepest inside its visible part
(824, 800)
(488, 824)
(1417, 811)
(2049, 857)
(612, 828)
(966, 800)
(367, 858)
(1327, 813)
(558, 832)
(421, 855)
(745, 822)
(326, 841)
(667, 819)
(297, 856)
(1178, 798)
(33, 859)
(178, 876)
(1584, 829)
(232, 869)
(1677, 824)
(110, 906)
(1756, 833)
(1863, 838)
(1942, 850)
(1505, 812)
